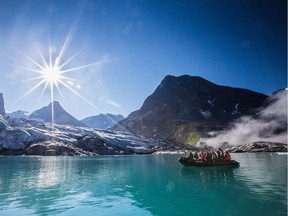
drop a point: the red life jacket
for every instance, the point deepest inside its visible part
(227, 156)
(203, 156)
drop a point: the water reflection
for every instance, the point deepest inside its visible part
(264, 174)
(67, 185)
(140, 185)
(218, 175)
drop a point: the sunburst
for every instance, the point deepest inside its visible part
(51, 72)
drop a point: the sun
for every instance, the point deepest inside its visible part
(52, 74)
(50, 69)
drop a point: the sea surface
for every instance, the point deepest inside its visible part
(142, 185)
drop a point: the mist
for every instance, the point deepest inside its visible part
(268, 124)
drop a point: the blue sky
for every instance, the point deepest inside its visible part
(240, 43)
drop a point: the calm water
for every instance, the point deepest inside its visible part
(142, 185)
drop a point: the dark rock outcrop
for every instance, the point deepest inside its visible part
(52, 148)
(60, 115)
(184, 108)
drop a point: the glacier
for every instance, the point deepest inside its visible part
(20, 136)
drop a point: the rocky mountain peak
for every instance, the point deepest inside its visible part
(61, 116)
(190, 107)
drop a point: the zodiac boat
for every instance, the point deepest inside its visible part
(192, 162)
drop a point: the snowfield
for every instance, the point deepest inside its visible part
(32, 137)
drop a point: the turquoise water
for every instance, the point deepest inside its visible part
(142, 185)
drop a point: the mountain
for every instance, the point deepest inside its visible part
(2, 107)
(19, 114)
(102, 121)
(183, 109)
(60, 115)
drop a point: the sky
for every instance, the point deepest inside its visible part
(114, 53)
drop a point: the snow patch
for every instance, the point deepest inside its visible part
(206, 113)
(211, 102)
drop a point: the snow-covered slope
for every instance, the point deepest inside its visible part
(31, 137)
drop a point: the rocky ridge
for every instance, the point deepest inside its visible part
(260, 146)
(183, 109)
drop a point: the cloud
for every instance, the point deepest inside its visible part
(268, 124)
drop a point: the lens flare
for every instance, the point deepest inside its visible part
(51, 72)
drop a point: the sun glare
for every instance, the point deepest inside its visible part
(52, 74)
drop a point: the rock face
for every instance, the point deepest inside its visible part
(260, 146)
(184, 108)
(102, 121)
(2, 106)
(30, 137)
(13, 138)
(60, 115)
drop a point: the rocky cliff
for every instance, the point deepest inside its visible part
(185, 108)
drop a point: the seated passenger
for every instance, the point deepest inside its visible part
(220, 154)
(209, 156)
(227, 156)
(202, 155)
(196, 156)
(190, 155)
(214, 156)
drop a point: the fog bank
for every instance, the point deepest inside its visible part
(268, 124)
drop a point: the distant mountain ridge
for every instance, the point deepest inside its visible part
(184, 108)
(60, 115)
(19, 114)
(102, 121)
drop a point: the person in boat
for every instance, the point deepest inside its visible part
(190, 155)
(214, 156)
(209, 156)
(220, 154)
(202, 155)
(196, 157)
(227, 156)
